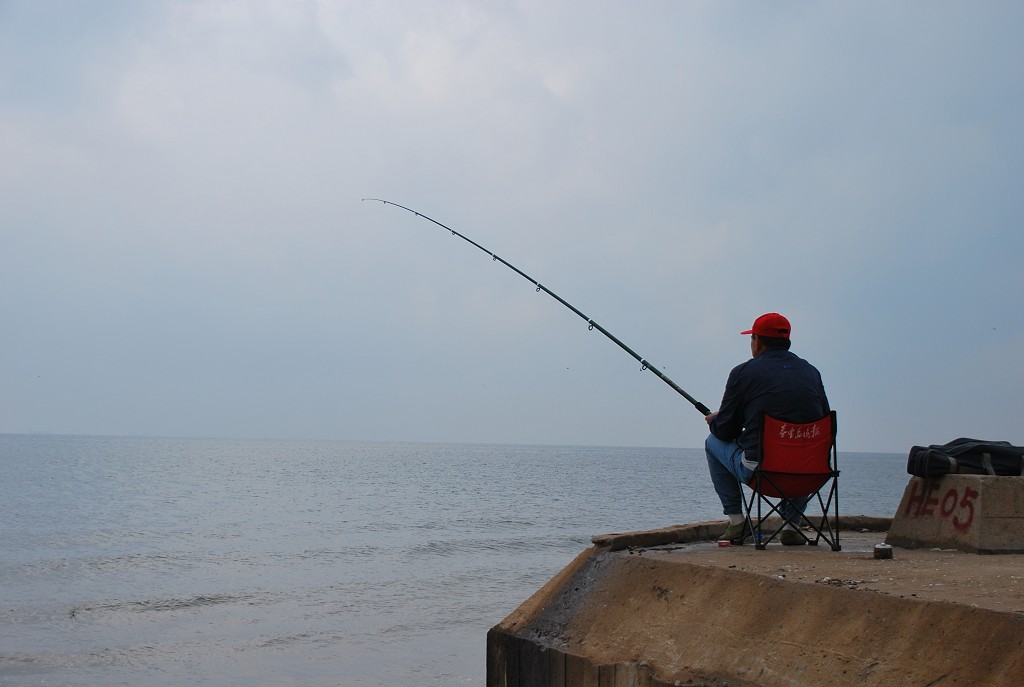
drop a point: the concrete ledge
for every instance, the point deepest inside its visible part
(696, 614)
(711, 529)
(698, 531)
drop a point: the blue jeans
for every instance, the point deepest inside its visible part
(727, 471)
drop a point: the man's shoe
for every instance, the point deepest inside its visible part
(791, 538)
(735, 532)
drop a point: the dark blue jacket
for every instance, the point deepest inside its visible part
(776, 382)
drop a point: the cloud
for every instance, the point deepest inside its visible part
(185, 251)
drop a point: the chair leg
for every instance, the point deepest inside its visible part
(747, 506)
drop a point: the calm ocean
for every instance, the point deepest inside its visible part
(153, 562)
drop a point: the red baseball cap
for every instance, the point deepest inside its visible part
(771, 324)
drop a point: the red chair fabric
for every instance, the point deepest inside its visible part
(797, 460)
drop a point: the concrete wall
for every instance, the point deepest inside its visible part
(976, 513)
(612, 619)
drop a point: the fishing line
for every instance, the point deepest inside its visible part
(646, 365)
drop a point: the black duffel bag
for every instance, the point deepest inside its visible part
(966, 457)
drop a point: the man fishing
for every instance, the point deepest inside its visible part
(774, 381)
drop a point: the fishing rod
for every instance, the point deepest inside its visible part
(540, 287)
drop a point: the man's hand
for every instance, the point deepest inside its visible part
(710, 416)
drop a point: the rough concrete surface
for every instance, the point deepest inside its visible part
(691, 612)
(995, 582)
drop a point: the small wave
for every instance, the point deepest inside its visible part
(444, 548)
(361, 552)
(321, 638)
(40, 663)
(166, 604)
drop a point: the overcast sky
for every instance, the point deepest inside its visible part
(184, 250)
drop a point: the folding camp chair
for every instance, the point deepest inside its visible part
(798, 461)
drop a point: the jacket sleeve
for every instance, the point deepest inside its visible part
(824, 396)
(728, 424)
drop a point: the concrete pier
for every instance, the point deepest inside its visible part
(671, 607)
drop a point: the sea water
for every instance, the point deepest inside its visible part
(157, 562)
